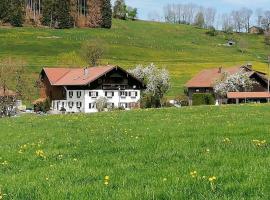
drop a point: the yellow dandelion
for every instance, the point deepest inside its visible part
(193, 174)
(106, 177)
(212, 179)
(106, 182)
(40, 153)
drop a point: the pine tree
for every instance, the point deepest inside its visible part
(4, 10)
(48, 13)
(16, 13)
(63, 14)
(106, 14)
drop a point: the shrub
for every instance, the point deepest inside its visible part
(182, 100)
(203, 99)
(101, 103)
(42, 106)
(212, 31)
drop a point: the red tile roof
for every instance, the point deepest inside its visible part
(251, 95)
(207, 78)
(75, 76)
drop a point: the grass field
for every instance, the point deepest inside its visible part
(147, 154)
(184, 50)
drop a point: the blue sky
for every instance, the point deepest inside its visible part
(147, 6)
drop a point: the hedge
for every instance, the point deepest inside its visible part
(203, 99)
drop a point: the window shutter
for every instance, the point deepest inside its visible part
(136, 94)
(97, 94)
(105, 94)
(112, 93)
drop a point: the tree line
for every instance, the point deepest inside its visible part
(65, 14)
(237, 20)
(57, 13)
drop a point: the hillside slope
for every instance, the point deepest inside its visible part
(147, 154)
(183, 49)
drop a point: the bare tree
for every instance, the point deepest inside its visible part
(266, 20)
(246, 16)
(259, 16)
(209, 16)
(92, 52)
(226, 22)
(237, 20)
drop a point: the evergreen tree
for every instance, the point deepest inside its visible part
(63, 14)
(48, 13)
(16, 13)
(4, 10)
(106, 14)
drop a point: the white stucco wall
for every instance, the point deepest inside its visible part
(86, 99)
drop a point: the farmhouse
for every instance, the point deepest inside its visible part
(77, 89)
(255, 30)
(205, 80)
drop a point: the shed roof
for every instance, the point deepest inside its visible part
(250, 95)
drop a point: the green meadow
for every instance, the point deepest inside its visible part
(188, 153)
(183, 50)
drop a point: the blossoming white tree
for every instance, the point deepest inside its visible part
(238, 82)
(157, 80)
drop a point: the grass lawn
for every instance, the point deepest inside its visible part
(183, 50)
(147, 154)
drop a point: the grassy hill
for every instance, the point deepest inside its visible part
(184, 50)
(147, 154)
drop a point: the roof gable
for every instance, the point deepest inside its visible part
(78, 76)
(207, 78)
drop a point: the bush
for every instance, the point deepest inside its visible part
(42, 106)
(182, 100)
(149, 101)
(212, 31)
(101, 103)
(203, 99)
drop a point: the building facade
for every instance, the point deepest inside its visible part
(205, 81)
(77, 90)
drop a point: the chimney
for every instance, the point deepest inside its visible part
(249, 65)
(86, 71)
(220, 70)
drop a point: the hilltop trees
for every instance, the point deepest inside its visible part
(106, 11)
(57, 13)
(122, 11)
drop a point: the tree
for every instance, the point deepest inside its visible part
(95, 13)
(209, 18)
(92, 51)
(120, 9)
(132, 13)
(101, 103)
(227, 25)
(63, 14)
(237, 20)
(199, 20)
(4, 10)
(267, 38)
(13, 76)
(16, 14)
(157, 83)
(106, 14)
(266, 21)
(239, 82)
(246, 16)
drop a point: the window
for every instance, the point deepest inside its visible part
(109, 94)
(63, 104)
(92, 106)
(70, 104)
(124, 105)
(134, 94)
(197, 90)
(93, 94)
(79, 94)
(79, 104)
(70, 94)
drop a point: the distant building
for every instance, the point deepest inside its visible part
(77, 89)
(205, 80)
(255, 30)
